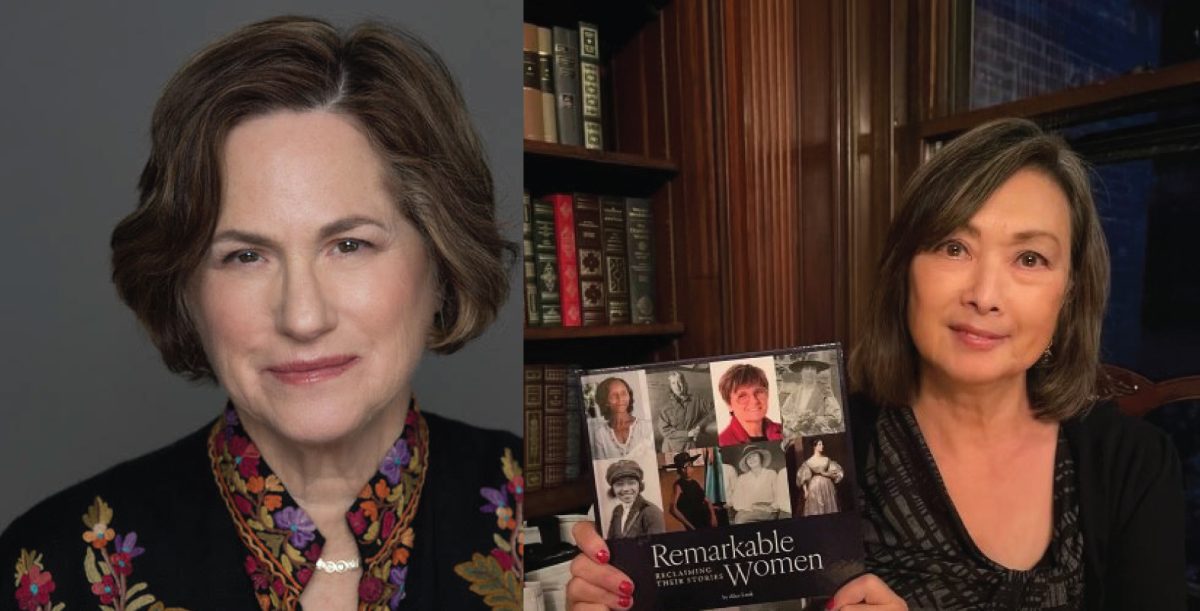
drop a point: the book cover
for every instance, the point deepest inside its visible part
(546, 259)
(566, 85)
(533, 315)
(589, 240)
(589, 83)
(747, 497)
(568, 268)
(545, 55)
(533, 409)
(531, 95)
(639, 233)
(616, 285)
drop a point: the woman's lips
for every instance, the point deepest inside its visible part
(978, 339)
(314, 371)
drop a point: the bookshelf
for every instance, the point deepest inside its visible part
(623, 169)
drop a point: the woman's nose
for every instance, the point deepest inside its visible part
(305, 312)
(984, 289)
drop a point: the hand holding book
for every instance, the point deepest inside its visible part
(595, 584)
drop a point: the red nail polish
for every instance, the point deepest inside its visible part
(602, 556)
(829, 605)
(624, 601)
(626, 587)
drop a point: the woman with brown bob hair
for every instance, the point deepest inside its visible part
(316, 212)
(994, 472)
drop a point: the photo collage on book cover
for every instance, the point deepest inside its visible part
(694, 445)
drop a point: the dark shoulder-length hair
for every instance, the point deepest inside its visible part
(602, 396)
(403, 98)
(941, 198)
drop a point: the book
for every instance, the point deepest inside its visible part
(546, 259)
(545, 54)
(616, 285)
(590, 244)
(554, 448)
(639, 234)
(574, 409)
(727, 510)
(533, 315)
(589, 83)
(532, 410)
(531, 95)
(568, 268)
(566, 85)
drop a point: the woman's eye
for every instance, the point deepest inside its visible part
(243, 256)
(953, 249)
(1031, 259)
(349, 246)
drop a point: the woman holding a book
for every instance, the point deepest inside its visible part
(983, 422)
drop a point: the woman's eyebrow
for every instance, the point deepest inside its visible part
(327, 231)
(1033, 234)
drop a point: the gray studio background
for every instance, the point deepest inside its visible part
(81, 388)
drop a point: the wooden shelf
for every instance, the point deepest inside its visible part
(555, 167)
(571, 497)
(670, 329)
(1122, 95)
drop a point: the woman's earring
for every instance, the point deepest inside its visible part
(1046, 356)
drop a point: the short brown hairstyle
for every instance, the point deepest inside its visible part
(402, 97)
(740, 375)
(941, 198)
(602, 397)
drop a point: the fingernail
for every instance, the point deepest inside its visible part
(626, 587)
(602, 556)
(625, 601)
(829, 605)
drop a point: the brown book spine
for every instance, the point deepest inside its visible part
(533, 410)
(531, 94)
(554, 447)
(568, 267)
(589, 241)
(612, 219)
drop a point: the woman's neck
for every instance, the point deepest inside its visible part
(974, 416)
(753, 429)
(326, 478)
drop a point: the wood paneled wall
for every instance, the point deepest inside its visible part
(765, 235)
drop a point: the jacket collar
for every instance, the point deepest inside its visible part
(281, 541)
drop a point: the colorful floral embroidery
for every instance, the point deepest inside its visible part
(109, 574)
(34, 584)
(495, 577)
(283, 542)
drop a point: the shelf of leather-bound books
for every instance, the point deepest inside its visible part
(571, 497)
(558, 167)
(619, 20)
(666, 330)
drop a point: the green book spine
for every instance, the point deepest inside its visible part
(533, 314)
(546, 261)
(612, 218)
(640, 241)
(589, 241)
(589, 82)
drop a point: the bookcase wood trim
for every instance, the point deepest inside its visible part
(670, 329)
(570, 497)
(537, 148)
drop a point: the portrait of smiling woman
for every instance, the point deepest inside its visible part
(316, 213)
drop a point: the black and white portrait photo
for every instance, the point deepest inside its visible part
(810, 394)
(681, 399)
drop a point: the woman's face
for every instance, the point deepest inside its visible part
(626, 489)
(808, 375)
(618, 398)
(315, 299)
(983, 304)
(819, 447)
(749, 402)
